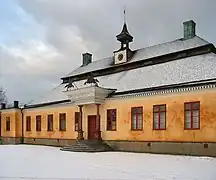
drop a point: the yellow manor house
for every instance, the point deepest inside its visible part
(159, 99)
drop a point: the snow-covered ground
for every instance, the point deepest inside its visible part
(48, 163)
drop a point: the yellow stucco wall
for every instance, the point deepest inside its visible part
(174, 119)
(15, 123)
(56, 134)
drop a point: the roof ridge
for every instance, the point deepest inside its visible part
(166, 42)
(169, 47)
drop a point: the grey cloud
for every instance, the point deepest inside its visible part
(73, 27)
(99, 21)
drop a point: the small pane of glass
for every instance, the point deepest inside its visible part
(140, 110)
(113, 114)
(196, 119)
(162, 117)
(156, 108)
(134, 121)
(133, 110)
(195, 125)
(187, 106)
(163, 108)
(133, 125)
(188, 125)
(162, 125)
(195, 113)
(187, 116)
(156, 117)
(139, 125)
(196, 105)
(156, 125)
(113, 125)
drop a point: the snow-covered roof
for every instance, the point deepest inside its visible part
(144, 53)
(195, 68)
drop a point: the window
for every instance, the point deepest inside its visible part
(111, 120)
(50, 122)
(7, 123)
(62, 122)
(77, 121)
(38, 123)
(192, 115)
(159, 117)
(28, 123)
(136, 118)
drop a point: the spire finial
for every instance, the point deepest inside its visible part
(124, 14)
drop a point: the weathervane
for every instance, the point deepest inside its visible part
(124, 14)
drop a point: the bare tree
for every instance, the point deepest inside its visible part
(3, 98)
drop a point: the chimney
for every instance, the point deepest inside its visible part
(16, 104)
(87, 58)
(3, 106)
(189, 29)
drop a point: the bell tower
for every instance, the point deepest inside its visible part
(124, 38)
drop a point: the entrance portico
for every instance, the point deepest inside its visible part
(90, 95)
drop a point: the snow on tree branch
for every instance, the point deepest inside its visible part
(3, 98)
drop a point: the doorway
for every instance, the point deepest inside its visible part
(92, 127)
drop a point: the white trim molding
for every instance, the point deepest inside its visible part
(161, 92)
(88, 95)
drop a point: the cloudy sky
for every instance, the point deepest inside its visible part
(42, 40)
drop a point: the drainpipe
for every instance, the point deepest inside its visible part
(3, 105)
(22, 135)
(0, 126)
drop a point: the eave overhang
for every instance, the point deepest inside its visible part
(88, 95)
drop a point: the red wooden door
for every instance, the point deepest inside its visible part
(91, 127)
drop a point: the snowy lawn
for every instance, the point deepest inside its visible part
(39, 162)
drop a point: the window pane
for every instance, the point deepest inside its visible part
(133, 125)
(156, 117)
(64, 125)
(133, 121)
(76, 116)
(195, 125)
(76, 126)
(195, 113)
(195, 105)
(7, 123)
(139, 125)
(162, 117)
(187, 116)
(140, 110)
(38, 123)
(187, 106)
(188, 125)
(139, 116)
(156, 108)
(156, 125)
(50, 122)
(162, 126)
(113, 125)
(113, 115)
(196, 119)
(133, 111)
(163, 108)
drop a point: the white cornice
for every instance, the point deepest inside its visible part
(88, 95)
(168, 91)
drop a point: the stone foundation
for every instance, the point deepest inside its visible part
(50, 142)
(10, 140)
(180, 148)
(177, 148)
